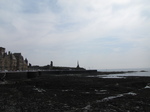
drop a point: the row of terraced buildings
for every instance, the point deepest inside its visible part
(12, 61)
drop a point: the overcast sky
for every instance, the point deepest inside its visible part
(101, 34)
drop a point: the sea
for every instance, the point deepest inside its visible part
(141, 72)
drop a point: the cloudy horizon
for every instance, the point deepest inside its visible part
(99, 34)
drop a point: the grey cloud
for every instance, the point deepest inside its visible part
(73, 30)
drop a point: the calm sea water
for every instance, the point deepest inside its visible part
(138, 73)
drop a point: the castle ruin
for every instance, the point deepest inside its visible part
(12, 61)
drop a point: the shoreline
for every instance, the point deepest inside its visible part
(33, 74)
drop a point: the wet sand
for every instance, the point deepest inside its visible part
(49, 93)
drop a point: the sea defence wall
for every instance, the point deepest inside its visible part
(13, 75)
(61, 72)
(34, 74)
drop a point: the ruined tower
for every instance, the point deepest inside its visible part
(78, 64)
(2, 51)
(51, 65)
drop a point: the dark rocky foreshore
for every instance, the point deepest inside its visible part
(47, 93)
